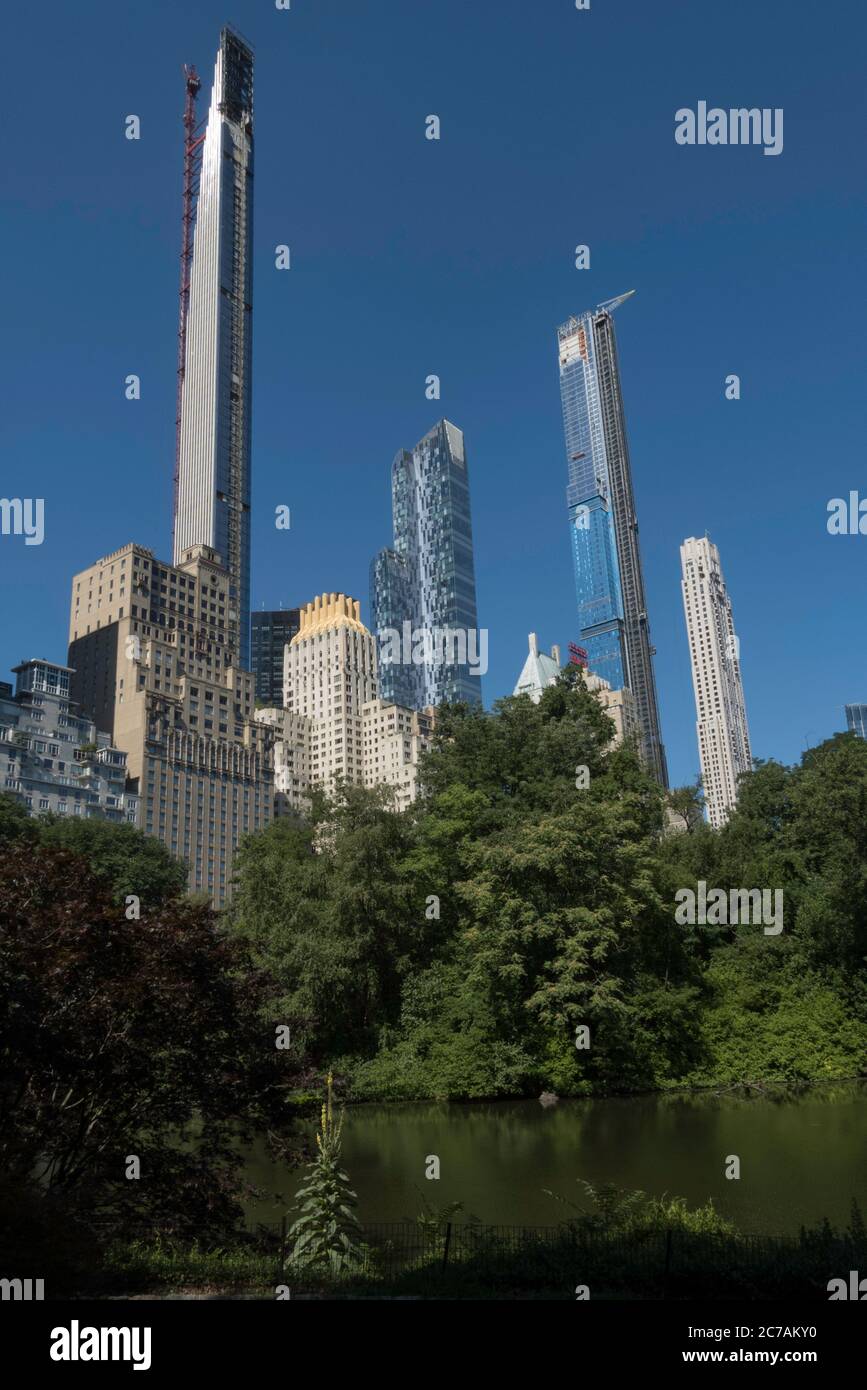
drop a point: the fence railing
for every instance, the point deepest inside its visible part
(640, 1263)
(418, 1259)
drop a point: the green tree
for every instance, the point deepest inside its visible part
(521, 756)
(454, 949)
(686, 806)
(125, 859)
(328, 910)
(15, 822)
(568, 927)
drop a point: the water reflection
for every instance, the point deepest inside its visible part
(802, 1155)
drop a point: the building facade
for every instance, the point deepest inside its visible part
(213, 495)
(424, 587)
(393, 740)
(856, 720)
(329, 676)
(270, 633)
(619, 705)
(333, 725)
(609, 582)
(154, 652)
(52, 758)
(292, 742)
(541, 670)
(721, 720)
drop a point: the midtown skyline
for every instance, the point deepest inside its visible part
(750, 472)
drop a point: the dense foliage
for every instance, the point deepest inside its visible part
(459, 949)
(124, 1039)
(126, 860)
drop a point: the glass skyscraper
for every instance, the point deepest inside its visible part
(856, 719)
(213, 503)
(426, 583)
(270, 632)
(612, 611)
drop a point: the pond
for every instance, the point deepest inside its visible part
(803, 1156)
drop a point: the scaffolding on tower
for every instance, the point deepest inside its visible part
(192, 168)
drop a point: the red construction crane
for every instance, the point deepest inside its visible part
(192, 169)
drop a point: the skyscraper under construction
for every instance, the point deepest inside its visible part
(212, 501)
(612, 611)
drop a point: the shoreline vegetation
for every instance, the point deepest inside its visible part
(510, 934)
(764, 1087)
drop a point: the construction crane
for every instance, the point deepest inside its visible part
(192, 168)
(609, 305)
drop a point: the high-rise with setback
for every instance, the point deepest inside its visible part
(721, 719)
(332, 726)
(612, 609)
(155, 664)
(213, 492)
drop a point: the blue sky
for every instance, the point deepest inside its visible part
(456, 257)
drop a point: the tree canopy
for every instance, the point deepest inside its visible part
(125, 859)
(514, 930)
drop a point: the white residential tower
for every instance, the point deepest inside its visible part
(721, 723)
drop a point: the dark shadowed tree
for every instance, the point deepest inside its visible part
(130, 1038)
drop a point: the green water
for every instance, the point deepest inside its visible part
(803, 1156)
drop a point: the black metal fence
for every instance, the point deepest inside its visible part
(570, 1262)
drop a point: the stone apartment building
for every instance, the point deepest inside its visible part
(54, 759)
(154, 652)
(334, 725)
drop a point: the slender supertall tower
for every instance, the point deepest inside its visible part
(213, 489)
(721, 718)
(612, 610)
